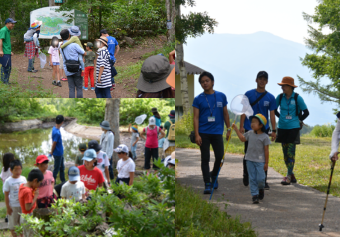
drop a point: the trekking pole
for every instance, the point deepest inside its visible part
(222, 161)
(329, 187)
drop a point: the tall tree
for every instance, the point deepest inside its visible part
(193, 24)
(112, 116)
(171, 16)
(324, 62)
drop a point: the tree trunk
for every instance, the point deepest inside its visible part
(173, 17)
(112, 116)
(51, 3)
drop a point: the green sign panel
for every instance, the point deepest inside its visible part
(80, 20)
(58, 1)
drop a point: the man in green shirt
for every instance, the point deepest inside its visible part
(169, 146)
(6, 50)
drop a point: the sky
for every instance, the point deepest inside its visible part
(281, 18)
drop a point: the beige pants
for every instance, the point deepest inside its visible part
(14, 219)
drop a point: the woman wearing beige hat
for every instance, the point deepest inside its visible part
(103, 69)
(290, 122)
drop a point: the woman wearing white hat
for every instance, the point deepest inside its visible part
(125, 166)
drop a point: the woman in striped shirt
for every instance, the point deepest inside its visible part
(103, 69)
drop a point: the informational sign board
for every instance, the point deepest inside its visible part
(58, 1)
(53, 22)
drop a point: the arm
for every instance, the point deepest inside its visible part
(107, 175)
(266, 155)
(117, 50)
(28, 206)
(277, 113)
(162, 134)
(53, 147)
(171, 56)
(227, 121)
(101, 70)
(273, 122)
(243, 118)
(129, 128)
(100, 185)
(9, 209)
(137, 139)
(132, 174)
(196, 120)
(83, 197)
(51, 60)
(142, 135)
(305, 114)
(1, 52)
(73, 39)
(239, 134)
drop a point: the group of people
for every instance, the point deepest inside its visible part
(210, 115)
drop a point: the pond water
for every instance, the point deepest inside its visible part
(27, 145)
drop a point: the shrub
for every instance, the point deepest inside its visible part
(185, 124)
(323, 131)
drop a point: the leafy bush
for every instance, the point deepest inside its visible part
(185, 124)
(323, 131)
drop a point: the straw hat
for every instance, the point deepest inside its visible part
(289, 81)
(103, 40)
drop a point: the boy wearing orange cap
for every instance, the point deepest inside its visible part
(257, 156)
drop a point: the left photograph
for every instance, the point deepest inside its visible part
(87, 167)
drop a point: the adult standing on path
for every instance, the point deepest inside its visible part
(58, 150)
(290, 122)
(335, 140)
(6, 50)
(113, 48)
(262, 102)
(157, 116)
(72, 52)
(169, 143)
(210, 114)
(106, 141)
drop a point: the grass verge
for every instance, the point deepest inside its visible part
(196, 217)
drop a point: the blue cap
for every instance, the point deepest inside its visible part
(10, 20)
(74, 174)
(89, 155)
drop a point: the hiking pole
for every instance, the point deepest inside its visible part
(329, 187)
(222, 161)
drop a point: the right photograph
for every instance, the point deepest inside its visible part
(258, 121)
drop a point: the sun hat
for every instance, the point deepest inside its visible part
(40, 159)
(262, 119)
(172, 114)
(89, 44)
(135, 127)
(289, 81)
(262, 74)
(38, 22)
(152, 121)
(73, 174)
(122, 148)
(10, 20)
(154, 110)
(34, 25)
(154, 73)
(105, 125)
(89, 155)
(74, 31)
(103, 40)
(171, 79)
(93, 144)
(82, 146)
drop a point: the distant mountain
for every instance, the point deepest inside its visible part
(235, 60)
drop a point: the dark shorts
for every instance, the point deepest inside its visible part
(288, 135)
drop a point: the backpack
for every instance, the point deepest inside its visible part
(171, 135)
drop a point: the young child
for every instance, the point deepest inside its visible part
(5, 171)
(32, 34)
(46, 196)
(74, 188)
(125, 165)
(28, 196)
(160, 145)
(82, 148)
(54, 60)
(61, 67)
(257, 156)
(11, 186)
(75, 33)
(134, 140)
(89, 65)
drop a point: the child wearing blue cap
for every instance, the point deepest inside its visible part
(74, 188)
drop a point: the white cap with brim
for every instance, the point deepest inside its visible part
(89, 155)
(122, 148)
(172, 162)
(152, 121)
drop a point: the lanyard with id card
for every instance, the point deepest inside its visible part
(289, 117)
(211, 118)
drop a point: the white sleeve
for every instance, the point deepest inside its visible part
(6, 186)
(63, 191)
(83, 188)
(132, 167)
(335, 139)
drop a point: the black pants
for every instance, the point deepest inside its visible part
(148, 153)
(245, 171)
(217, 144)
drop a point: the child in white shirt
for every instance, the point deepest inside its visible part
(74, 188)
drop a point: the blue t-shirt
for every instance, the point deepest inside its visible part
(161, 142)
(220, 102)
(56, 137)
(267, 103)
(158, 121)
(286, 105)
(112, 43)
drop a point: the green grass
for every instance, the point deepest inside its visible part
(196, 217)
(312, 165)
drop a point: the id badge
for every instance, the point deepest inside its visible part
(211, 119)
(288, 117)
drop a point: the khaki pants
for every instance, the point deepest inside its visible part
(160, 152)
(14, 219)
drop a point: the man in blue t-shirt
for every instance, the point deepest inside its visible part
(57, 149)
(265, 106)
(210, 115)
(113, 49)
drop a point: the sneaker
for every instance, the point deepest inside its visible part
(245, 180)
(207, 189)
(286, 181)
(33, 71)
(64, 79)
(293, 179)
(58, 84)
(92, 88)
(6, 219)
(114, 85)
(266, 186)
(255, 199)
(54, 83)
(261, 194)
(213, 178)
(85, 88)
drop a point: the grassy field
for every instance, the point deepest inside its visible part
(312, 165)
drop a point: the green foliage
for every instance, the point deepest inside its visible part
(324, 62)
(323, 131)
(91, 110)
(185, 125)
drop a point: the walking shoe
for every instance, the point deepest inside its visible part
(261, 194)
(245, 180)
(293, 179)
(286, 181)
(64, 79)
(213, 178)
(207, 189)
(58, 84)
(33, 71)
(255, 199)
(6, 219)
(54, 83)
(85, 88)
(266, 186)
(92, 88)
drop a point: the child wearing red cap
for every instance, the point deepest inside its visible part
(46, 196)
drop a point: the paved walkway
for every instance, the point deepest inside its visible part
(293, 210)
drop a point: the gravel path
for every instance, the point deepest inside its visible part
(293, 210)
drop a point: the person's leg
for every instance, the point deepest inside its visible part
(71, 86)
(57, 164)
(133, 151)
(261, 176)
(87, 72)
(62, 170)
(53, 72)
(6, 68)
(30, 65)
(107, 93)
(111, 169)
(57, 72)
(218, 147)
(245, 172)
(98, 92)
(147, 158)
(78, 80)
(112, 63)
(154, 157)
(91, 76)
(254, 190)
(289, 158)
(205, 157)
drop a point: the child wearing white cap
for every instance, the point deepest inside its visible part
(74, 188)
(125, 166)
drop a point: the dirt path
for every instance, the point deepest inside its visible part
(293, 210)
(43, 77)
